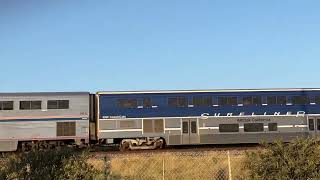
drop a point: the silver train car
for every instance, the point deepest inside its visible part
(43, 119)
(152, 133)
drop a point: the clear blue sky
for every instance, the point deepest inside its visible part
(142, 44)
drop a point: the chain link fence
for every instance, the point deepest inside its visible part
(221, 165)
(224, 165)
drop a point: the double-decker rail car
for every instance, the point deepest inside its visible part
(43, 119)
(150, 119)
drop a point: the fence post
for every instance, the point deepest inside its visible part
(106, 168)
(229, 165)
(162, 167)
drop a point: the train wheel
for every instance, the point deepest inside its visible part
(124, 146)
(159, 144)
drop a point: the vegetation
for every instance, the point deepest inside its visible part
(297, 160)
(48, 165)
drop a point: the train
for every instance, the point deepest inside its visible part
(135, 120)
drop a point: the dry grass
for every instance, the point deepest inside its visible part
(173, 166)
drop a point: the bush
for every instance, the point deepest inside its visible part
(48, 165)
(299, 159)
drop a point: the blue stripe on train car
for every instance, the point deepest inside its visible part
(108, 104)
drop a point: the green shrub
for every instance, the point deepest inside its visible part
(48, 165)
(299, 159)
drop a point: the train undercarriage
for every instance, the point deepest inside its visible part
(142, 143)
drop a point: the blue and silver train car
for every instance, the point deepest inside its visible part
(150, 119)
(43, 119)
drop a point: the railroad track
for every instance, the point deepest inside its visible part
(179, 150)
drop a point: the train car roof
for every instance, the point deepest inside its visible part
(43, 93)
(209, 90)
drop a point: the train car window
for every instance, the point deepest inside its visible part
(317, 99)
(52, 104)
(193, 127)
(197, 101)
(253, 127)
(318, 124)
(178, 102)
(6, 105)
(247, 100)
(222, 101)
(127, 103)
(300, 100)
(35, 104)
(147, 103)
(232, 101)
(185, 127)
(311, 125)
(28, 105)
(228, 127)
(202, 101)
(282, 100)
(207, 101)
(63, 104)
(273, 127)
(58, 104)
(256, 100)
(271, 100)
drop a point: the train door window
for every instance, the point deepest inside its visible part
(193, 127)
(256, 100)
(6, 105)
(318, 124)
(281, 100)
(271, 100)
(222, 101)
(147, 103)
(311, 124)
(185, 127)
(28, 105)
(232, 101)
(127, 103)
(247, 100)
(228, 127)
(253, 127)
(273, 127)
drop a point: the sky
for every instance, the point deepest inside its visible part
(111, 45)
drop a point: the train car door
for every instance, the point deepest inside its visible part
(314, 125)
(190, 134)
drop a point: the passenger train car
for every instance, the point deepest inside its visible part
(153, 119)
(43, 119)
(150, 119)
